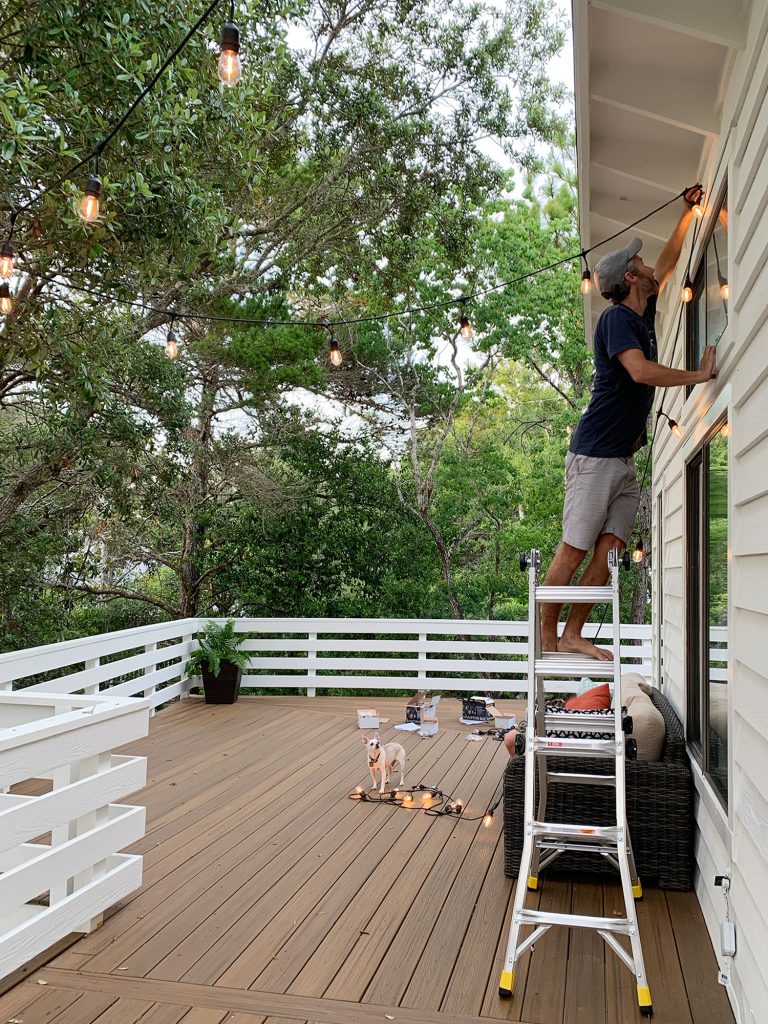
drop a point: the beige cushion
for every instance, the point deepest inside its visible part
(648, 722)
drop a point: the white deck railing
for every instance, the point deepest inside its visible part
(61, 830)
(304, 653)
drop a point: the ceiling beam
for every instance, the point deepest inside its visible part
(716, 21)
(612, 226)
(669, 188)
(671, 99)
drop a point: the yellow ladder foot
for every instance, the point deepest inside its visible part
(507, 984)
(644, 1000)
(637, 890)
(533, 883)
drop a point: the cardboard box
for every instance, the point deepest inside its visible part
(419, 705)
(503, 719)
(476, 709)
(429, 725)
(368, 718)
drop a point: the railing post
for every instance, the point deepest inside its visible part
(185, 687)
(422, 662)
(94, 687)
(61, 777)
(91, 766)
(149, 670)
(311, 663)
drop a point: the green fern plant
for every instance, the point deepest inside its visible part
(217, 644)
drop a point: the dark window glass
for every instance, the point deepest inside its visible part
(717, 609)
(707, 560)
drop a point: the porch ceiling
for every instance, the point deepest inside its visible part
(650, 80)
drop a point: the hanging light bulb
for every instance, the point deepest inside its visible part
(639, 553)
(725, 430)
(6, 302)
(586, 278)
(673, 424)
(697, 209)
(687, 293)
(89, 207)
(335, 356)
(465, 327)
(725, 290)
(230, 69)
(171, 343)
(6, 259)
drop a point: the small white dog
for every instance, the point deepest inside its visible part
(384, 759)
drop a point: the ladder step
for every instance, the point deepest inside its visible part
(585, 833)
(584, 778)
(573, 595)
(604, 924)
(576, 665)
(579, 721)
(553, 745)
(564, 847)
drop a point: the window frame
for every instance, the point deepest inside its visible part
(698, 281)
(697, 585)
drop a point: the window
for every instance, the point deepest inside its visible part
(707, 315)
(658, 568)
(707, 620)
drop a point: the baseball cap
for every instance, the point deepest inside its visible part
(612, 267)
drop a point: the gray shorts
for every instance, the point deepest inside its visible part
(601, 496)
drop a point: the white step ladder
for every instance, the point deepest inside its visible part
(545, 840)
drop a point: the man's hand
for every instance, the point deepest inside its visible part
(707, 366)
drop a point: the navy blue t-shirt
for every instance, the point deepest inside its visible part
(613, 424)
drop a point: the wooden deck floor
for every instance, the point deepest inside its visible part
(269, 898)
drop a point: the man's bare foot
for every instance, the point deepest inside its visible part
(548, 643)
(578, 645)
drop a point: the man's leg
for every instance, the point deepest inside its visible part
(595, 575)
(564, 565)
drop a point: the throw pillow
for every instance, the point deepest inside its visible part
(647, 726)
(596, 699)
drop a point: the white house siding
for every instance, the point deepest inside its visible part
(737, 843)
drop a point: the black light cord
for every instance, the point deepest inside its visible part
(96, 152)
(261, 322)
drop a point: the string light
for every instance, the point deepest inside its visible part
(6, 259)
(674, 426)
(230, 69)
(90, 205)
(171, 343)
(586, 277)
(335, 355)
(6, 302)
(465, 327)
(687, 293)
(725, 290)
(725, 430)
(488, 819)
(639, 553)
(697, 209)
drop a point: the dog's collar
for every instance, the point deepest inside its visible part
(373, 760)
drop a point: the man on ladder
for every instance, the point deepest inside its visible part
(601, 502)
(601, 490)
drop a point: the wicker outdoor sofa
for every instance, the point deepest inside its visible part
(659, 810)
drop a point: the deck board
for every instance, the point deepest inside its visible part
(270, 898)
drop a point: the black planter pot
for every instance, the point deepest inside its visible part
(223, 688)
